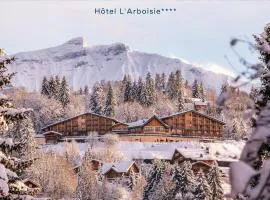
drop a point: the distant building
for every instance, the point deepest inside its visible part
(118, 170)
(191, 124)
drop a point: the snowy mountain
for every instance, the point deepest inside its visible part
(83, 65)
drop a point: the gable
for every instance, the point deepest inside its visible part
(154, 122)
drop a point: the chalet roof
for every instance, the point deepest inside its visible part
(200, 103)
(120, 123)
(143, 122)
(155, 154)
(54, 132)
(192, 110)
(87, 113)
(121, 167)
(195, 155)
(201, 162)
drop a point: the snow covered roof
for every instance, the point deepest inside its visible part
(195, 99)
(79, 116)
(155, 154)
(200, 103)
(195, 154)
(54, 132)
(192, 110)
(120, 123)
(143, 122)
(121, 167)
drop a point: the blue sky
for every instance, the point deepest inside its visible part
(198, 32)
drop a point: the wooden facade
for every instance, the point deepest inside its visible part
(82, 125)
(180, 126)
(52, 137)
(194, 124)
(151, 126)
(200, 165)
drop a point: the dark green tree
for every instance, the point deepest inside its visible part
(195, 89)
(215, 182)
(150, 89)
(202, 188)
(45, 87)
(64, 93)
(96, 105)
(128, 89)
(110, 103)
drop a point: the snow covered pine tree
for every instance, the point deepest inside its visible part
(254, 162)
(11, 186)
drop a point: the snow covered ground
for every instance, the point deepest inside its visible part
(225, 150)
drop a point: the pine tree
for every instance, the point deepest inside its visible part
(131, 181)
(110, 103)
(57, 87)
(265, 58)
(150, 89)
(86, 90)
(214, 180)
(140, 86)
(11, 166)
(22, 130)
(184, 178)
(52, 87)
(195, 89)
(143, 95)
(163, 82)
(165, 189)
(178, 83)
(96, 99)
(202, 188)
(158, 83)
(171, 86)
(128, 89)
(153, 178)
(134, 91)
(87, 188)
(64, 93)
(45, 87)
(180, 102)
(202, 92)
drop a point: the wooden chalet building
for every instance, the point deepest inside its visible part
(200, 165)
(118, 170)
(171, 156)
(78, 127)
(186, 125)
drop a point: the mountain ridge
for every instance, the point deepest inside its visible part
(83, 65)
